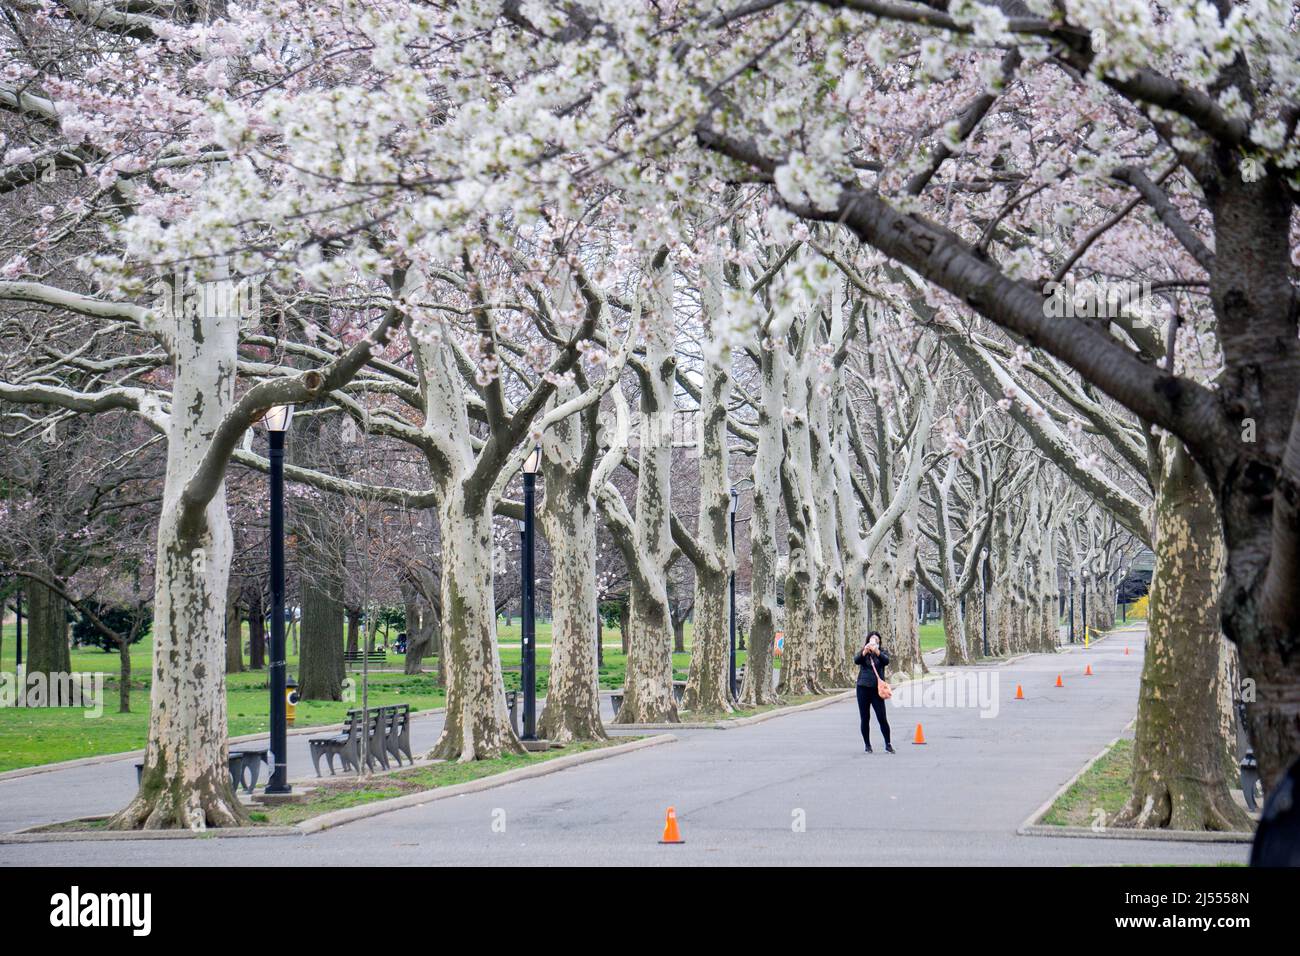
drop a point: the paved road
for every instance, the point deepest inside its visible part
(958, 800)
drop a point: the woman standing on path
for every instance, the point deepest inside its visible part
(872, 661)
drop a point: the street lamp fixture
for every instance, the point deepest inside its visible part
(276, 422)
(527, 618)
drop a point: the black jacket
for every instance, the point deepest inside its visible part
(867, 676)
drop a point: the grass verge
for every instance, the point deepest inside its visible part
(1105, 787)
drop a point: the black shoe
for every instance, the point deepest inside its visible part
(889, 749)
(869, 750)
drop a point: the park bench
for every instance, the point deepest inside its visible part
(397, 732)
(372, 657)
(346, 746)
(245, 767)
(387, 733)
(512, 702)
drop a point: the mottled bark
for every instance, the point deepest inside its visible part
(905, 649)
(568, 519)
(830, 663)
(647, 543)
(798, 660)
(708, 685)
(1179, 777)
(477, 726)
(185, 782)
(756, 689)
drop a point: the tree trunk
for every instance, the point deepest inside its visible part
(798, 659)
(186, 782)
(124, 676)
(478, 724)
(320, 661)
(572, 709)
(354, 621)
(422, 625)
(47, 651)
(568, 519)
(756, 690)
(647, 545)
(905, 652)
(708, 685)
(831, 665)
(1179, 777)
(234, 636)
(256, 631)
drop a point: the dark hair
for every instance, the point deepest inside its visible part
(875, 634)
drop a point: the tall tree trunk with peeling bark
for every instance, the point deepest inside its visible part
(853, 547)
(798, 660)
(1179, 777)
(568, 518)
(708, 685)
(830, 663)
(477, 725)
(756, 689)
(905, 649)
(646, 540)
(186, 782)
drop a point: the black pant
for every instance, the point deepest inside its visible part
(869, 700)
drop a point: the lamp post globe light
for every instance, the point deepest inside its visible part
(528, 628)
(276, 422)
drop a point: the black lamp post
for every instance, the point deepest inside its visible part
(276, 422)
(731, 663)
(528, 629)
(984, 599)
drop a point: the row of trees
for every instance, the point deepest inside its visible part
(855, 239)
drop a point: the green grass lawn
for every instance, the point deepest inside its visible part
(1105, 786)
(30, 737)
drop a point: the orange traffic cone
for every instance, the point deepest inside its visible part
(1087, 672)
(920, 735)
(1020, 692)
(671, 833)
(1059, 682)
